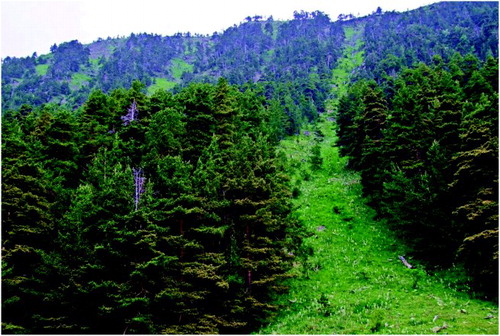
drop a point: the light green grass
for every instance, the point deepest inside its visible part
(42, 69)
(94, 63)
(78, 80)
(161, 84)
(276, 28)
(354, 283)
(349, 32)
(268, 55)
(351, 59)
(179, 67)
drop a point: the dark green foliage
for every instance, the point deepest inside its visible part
(417, 36)
(248, 52)
(350, 107)
(28, 229)
(199, 247)
(475, 181)
(428, 157)
(316, 159)
(68, 58)
(371, 125)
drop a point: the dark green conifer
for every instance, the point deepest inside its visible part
(475, 186)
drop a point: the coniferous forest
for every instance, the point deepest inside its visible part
(148, 186)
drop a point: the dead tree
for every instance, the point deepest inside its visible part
(139, 181)
(403, 260)
(132, 114)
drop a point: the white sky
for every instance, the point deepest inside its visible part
(29, 26)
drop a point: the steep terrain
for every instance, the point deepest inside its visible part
(277, 177)
(258, 50)
(353, 281)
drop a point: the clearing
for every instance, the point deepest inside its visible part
(353, 281)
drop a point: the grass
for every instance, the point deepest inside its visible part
(179, 67)
(268, 55)
(41, 69)
(161, 84)
(349, 32)
(78, 80)
(276, 27)
(350, 60)
(353, 282)
(94, 63)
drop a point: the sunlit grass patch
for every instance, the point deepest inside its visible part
(41, 69)
(353, 281)
(79, 79)
(179, 67)
(161, 84)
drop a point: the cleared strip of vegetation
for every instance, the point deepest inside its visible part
(353, 281)
(351, 59)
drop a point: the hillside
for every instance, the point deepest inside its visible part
(352, 281)
(257, 50)
(275, 178)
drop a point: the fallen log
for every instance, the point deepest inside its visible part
(438, 329)
(403, 260)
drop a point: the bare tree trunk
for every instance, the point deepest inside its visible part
(139, 186)
(403, 260)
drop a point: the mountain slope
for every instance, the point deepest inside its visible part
(167, 209)
(353, 281)
(256, 50)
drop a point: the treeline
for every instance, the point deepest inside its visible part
(393, 40)
(253, 51)
(426, 144)
(137, 214)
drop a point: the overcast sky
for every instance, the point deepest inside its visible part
(33, 26)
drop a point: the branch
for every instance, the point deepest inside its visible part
(403, 260)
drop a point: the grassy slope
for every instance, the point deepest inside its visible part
(178, 67)
(41, 69)
(354, 283)
(161, 84)
(351, 59)
(79, 79)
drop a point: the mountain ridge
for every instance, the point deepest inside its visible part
(257, 50)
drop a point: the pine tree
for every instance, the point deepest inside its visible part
(90, 238)
(475, 185)
(196, 102)
(97, 126)
(350, 135)
(316, 159)
(372, 163)
(176, 221)
(224, 113)
(421, 138)
(27, 231)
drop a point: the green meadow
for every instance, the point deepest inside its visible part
(351, 280)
